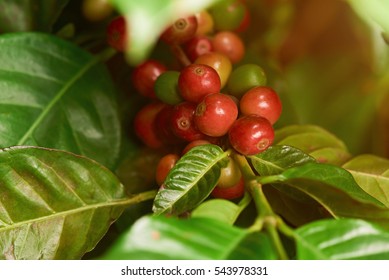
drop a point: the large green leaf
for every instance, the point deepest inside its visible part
(315, 141)
(56, 95)
(151, 18)
(159, 237)
(342, 239)
(277, 159)
(335, 189)
(54, 204)
(191, 180)
(29, 15)
(372, 174)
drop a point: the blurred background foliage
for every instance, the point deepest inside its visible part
(329, 65)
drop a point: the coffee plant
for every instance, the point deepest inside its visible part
(158, 130)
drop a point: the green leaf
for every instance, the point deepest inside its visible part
(344, 239)
(277, 159)
(54, 204)
(372, 174)
(335, 189)
(56, 95)
(374, 12)
(315, 141)
(191, 180)
(255, 246)
(29, 15)
(218, 209)
(151, 18)
(162, 238)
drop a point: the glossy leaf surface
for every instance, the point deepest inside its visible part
(372, 174)
(277, 159)
(344, 239)
(191, 180)
(161, 238)
(29, 15)
(335, 189)
(56, 95)
(54, 204)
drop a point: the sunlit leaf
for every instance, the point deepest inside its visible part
(53, 204)
(191, 180)
(372, 174)
(344, 239)
(56, 95)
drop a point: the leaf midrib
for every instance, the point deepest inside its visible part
(56, 99)
(119, 202)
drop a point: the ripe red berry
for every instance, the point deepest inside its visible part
(144, 124)
(117, 33)
(230, 193)
(215, 114)
(193, 144)
(230, 44)
(182, 123)
(197, 81)
(262, 101)
(145, 75)
(250, 135)
(197, 46)
(165, 164)
(163, 126)
(181, 31)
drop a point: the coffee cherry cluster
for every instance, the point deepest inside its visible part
(209, 99)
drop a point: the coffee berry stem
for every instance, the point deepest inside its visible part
(266, 220)
(179, 53)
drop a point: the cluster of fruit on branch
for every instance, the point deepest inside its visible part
(211, 98)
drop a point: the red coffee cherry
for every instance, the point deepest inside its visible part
(230, 193)
(193, 144)
(117, 34)
(144, 124)
(181, 31)
(197, 46)
(197, 81)
(165, 164)
(230, 44)
(262, 101)
(250, 135)
(182, 122)
(145, 75)
(215, 114)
